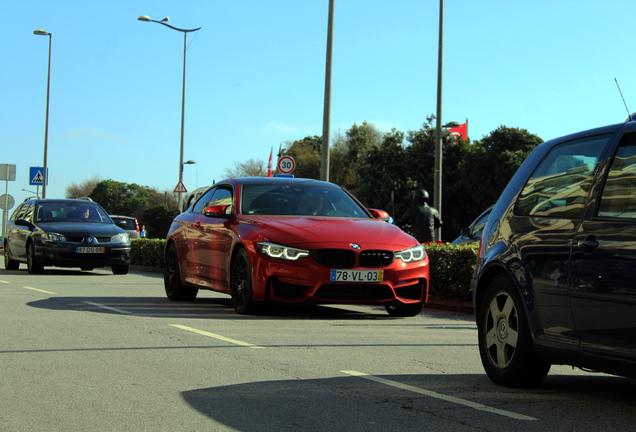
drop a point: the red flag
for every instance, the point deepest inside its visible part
(460, 130)
(269, 164)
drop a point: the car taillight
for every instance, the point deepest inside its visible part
(136, 225)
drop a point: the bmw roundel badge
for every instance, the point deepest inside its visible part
(355, 246)
(90, 239)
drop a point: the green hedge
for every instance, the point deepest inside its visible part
(147, 252)
(451, 267)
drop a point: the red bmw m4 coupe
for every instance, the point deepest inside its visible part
(291, 240)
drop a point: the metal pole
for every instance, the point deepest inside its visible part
(182, 119)
(185, 32)
(324, 167)
(437, 202)
(45, 176)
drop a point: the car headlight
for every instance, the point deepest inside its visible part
(120, 238)
(53, 237)
(283, 252)
(413, 254)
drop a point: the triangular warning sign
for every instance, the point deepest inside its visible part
(180, 188)
(39, 178)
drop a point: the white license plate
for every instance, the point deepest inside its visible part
(357, 275)
(89, 249)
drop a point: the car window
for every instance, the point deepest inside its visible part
(619, 193)
(558, 186)
(28, 212)
(18, 213)
(218, 196)
(299, 200)
(71, 212)
(479, 225)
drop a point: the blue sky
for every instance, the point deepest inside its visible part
(255, 77)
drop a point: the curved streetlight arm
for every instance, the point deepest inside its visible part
(148, 19)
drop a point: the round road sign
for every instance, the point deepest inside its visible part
(286, 165)
(6, 202)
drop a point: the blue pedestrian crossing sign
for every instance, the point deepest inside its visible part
(36, 176)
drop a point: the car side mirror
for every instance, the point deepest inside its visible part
(217, 211)
(121, 223)
(23, 222)
(465, 232)
(380, 214)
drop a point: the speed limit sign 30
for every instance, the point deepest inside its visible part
(286, 165)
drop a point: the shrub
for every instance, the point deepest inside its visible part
(147, 252)
(451, 268)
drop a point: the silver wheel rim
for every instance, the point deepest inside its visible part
(501, 330)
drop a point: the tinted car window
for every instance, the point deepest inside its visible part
(559, 185)
(299, 200)
(619, 193)
(18, 213)
(214, 197)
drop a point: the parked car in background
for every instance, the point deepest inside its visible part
(554, 281)
(128, 224)
(64, 233)
(193, 196)
(472, 234)
(292, 241)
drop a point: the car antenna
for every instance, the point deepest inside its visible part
(629, 118)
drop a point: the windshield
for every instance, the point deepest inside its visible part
(299, 200)
(70, 212)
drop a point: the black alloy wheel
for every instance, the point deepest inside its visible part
(33, 265)
(9, 264)
(241, 283)
(175, 291)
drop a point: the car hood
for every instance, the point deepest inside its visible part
(319, 232)
(83, 229)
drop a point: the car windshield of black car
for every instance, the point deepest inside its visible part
(70, 212)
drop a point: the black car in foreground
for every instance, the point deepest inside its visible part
(64, 233)
(555, 281)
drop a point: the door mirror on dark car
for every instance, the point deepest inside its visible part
(465, 232)
(120, 223)
(23, 222)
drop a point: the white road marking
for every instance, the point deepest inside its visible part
(1, 281)
(40, 290)
(216, 336)
(99, 305)
(436, 395)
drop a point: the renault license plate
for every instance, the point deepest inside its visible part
(89, 249)
(357, 275)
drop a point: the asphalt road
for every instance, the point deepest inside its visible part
(91, 351)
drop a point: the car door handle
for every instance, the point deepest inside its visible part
(588, 243)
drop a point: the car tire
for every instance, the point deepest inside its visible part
(175, 291)
(33, 265)
(241, 283)
(9, 264)
(396, 309)
(505, 343)
(121, 269)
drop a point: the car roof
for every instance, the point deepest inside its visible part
(278, 180)
(66, 200)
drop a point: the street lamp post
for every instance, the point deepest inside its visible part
(45, 174)
(191, 162)
(185, 33)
